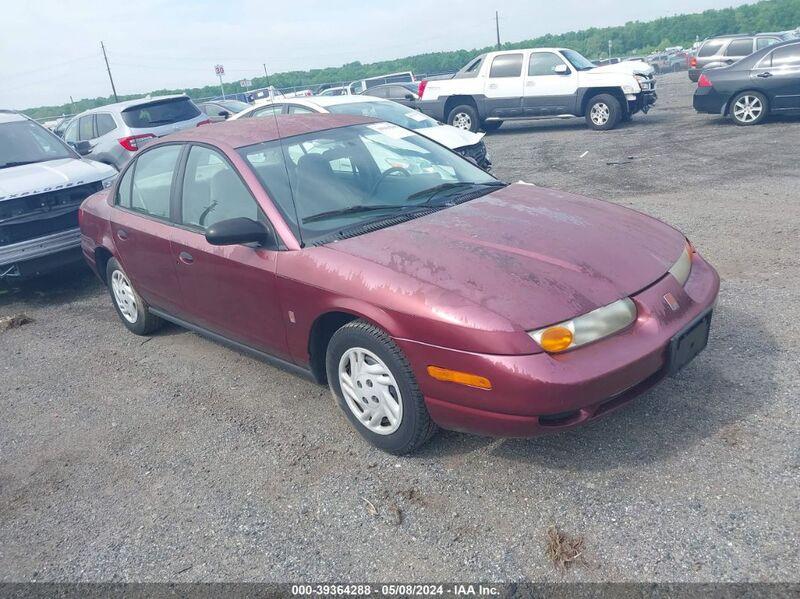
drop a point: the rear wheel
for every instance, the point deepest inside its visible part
(131, 308)
(603, 112)
(464, 117)
(749, 108)
(376, 388)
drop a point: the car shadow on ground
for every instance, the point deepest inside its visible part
(68, 284)
(706, 398)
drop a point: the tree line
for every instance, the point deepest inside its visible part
(632, 38)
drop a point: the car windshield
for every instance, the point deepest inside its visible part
(233, 105)
(329, 182)
(577, 60)
(385, 111)
(25, 142)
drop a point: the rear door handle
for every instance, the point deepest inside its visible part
(122, 234)
(185, 257)
(764, 75)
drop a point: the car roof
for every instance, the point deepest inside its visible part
(11, 116)
(320, 101)
(246, 132)
(120, 106)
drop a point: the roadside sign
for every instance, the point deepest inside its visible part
(245, 83)
(219, 70)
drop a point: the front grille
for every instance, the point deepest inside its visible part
(477, 152)
(42, 214)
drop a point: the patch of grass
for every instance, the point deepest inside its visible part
(564, 550)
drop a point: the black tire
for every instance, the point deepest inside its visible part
(416, 426)
(145, 322)
(490, 126)
(627, 117)
(742, 120)
(613, 113)
(466, 115)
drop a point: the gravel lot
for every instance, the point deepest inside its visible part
(173, 458)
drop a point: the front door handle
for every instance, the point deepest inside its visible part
(185, 257)
(766, 75)
(122, 234)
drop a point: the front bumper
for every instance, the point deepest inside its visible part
(537, 393)
(17, 257)
(707, 99)
(478, 153)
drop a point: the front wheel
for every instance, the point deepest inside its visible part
(603, 112)
(749, 108)
(376, 388)
(131, 308)
(464, 117)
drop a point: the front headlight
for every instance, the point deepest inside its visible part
(629, 89)
(585, 329)
(109, 181)
(683, 267)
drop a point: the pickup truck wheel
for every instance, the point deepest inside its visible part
(464, 117)
(131, 308)
(603, 112)
(490, 126)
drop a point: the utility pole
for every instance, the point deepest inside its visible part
(110, 78)
(266, 74)
(497, 25)
(610, 46)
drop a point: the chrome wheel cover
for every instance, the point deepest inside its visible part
(462, 121)
(748, 109)
(124, 296)
(600, 114)
(370, 391)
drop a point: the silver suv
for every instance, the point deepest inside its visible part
(114, 132)
(726, 49)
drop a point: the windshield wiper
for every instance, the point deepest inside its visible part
(357, 209)
(433, 192)
(18, 163)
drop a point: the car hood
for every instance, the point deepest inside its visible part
(451, 137)
(40, 177)
(530, 255)
(631, 67)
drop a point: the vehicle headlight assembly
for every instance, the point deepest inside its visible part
(683, 267)
(590, 327)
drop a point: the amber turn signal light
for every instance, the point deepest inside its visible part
(556, 339)
(460, 378)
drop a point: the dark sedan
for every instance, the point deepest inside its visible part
(766, 82)
(406, 94)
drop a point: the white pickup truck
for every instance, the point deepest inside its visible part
(538, 83)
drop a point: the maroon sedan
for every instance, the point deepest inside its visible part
(423, 290)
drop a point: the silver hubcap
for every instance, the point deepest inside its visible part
(600, 113)
(748, 108)
(124, 296)
(462, 121)
(370, 391)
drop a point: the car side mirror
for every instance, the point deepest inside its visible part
(81, 147)
(561, 69)
(410, 97)
(224, 114)
(237, 231)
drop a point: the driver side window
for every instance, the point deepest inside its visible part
(213, 191)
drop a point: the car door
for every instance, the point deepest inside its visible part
(229, 290)
(778, 74)
(504, 86)
(142, 226)
(548, 92)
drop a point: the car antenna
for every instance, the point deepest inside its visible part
(271, 91)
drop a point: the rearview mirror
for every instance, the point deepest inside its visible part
(236, 231)
(81, 147)
(561, 69)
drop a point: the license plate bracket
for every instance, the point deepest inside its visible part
(686, 345)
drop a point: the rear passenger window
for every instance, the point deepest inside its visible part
(742, 47)
(710, 48)
(506, 65)
(764, 42)
(86, 127)
(152, 180)
(213, 191)
(786, 56)
(105, 124)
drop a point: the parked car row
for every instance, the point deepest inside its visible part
(727, 49)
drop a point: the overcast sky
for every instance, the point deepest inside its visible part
(50, 49)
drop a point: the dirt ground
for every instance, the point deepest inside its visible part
(173, 458)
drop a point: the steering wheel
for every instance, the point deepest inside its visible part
(386, 173)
